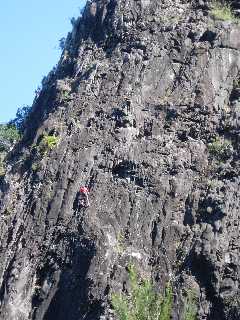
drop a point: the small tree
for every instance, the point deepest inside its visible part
(21, 117)
(220, 148)
(8, 135)
(142, 303)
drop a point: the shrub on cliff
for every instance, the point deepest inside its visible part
(142, 302)
(223, 11)
(21, 117)
(220, 149)
(8, 135)
(47, 143)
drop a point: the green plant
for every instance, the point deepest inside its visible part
(22, 116)
(219, 148)
(223, 11)
(190, 306)
(48, 142)
(66, 95)
(142, 302)
(8, 135)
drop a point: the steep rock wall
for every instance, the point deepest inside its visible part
(145, 105)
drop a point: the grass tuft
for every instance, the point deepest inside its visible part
(223, 11)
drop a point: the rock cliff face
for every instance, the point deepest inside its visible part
(144, 109)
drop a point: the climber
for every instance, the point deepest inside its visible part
(84, 201)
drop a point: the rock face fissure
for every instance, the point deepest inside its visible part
(144, 107)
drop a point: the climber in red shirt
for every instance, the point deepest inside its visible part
(84, 191)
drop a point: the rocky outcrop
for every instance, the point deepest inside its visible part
(145, 108)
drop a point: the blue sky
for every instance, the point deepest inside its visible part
(30, 31)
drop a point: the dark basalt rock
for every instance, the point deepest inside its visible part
(145, 103)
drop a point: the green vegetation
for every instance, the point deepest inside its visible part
(45, 144)
(8, 135)
(11, 132)
(223, 11)
(219, 148)
(21, 117)
(48, 142)
(66, 95)
(190, 306)
(142, 303)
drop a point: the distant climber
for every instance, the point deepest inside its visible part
(84, 200)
